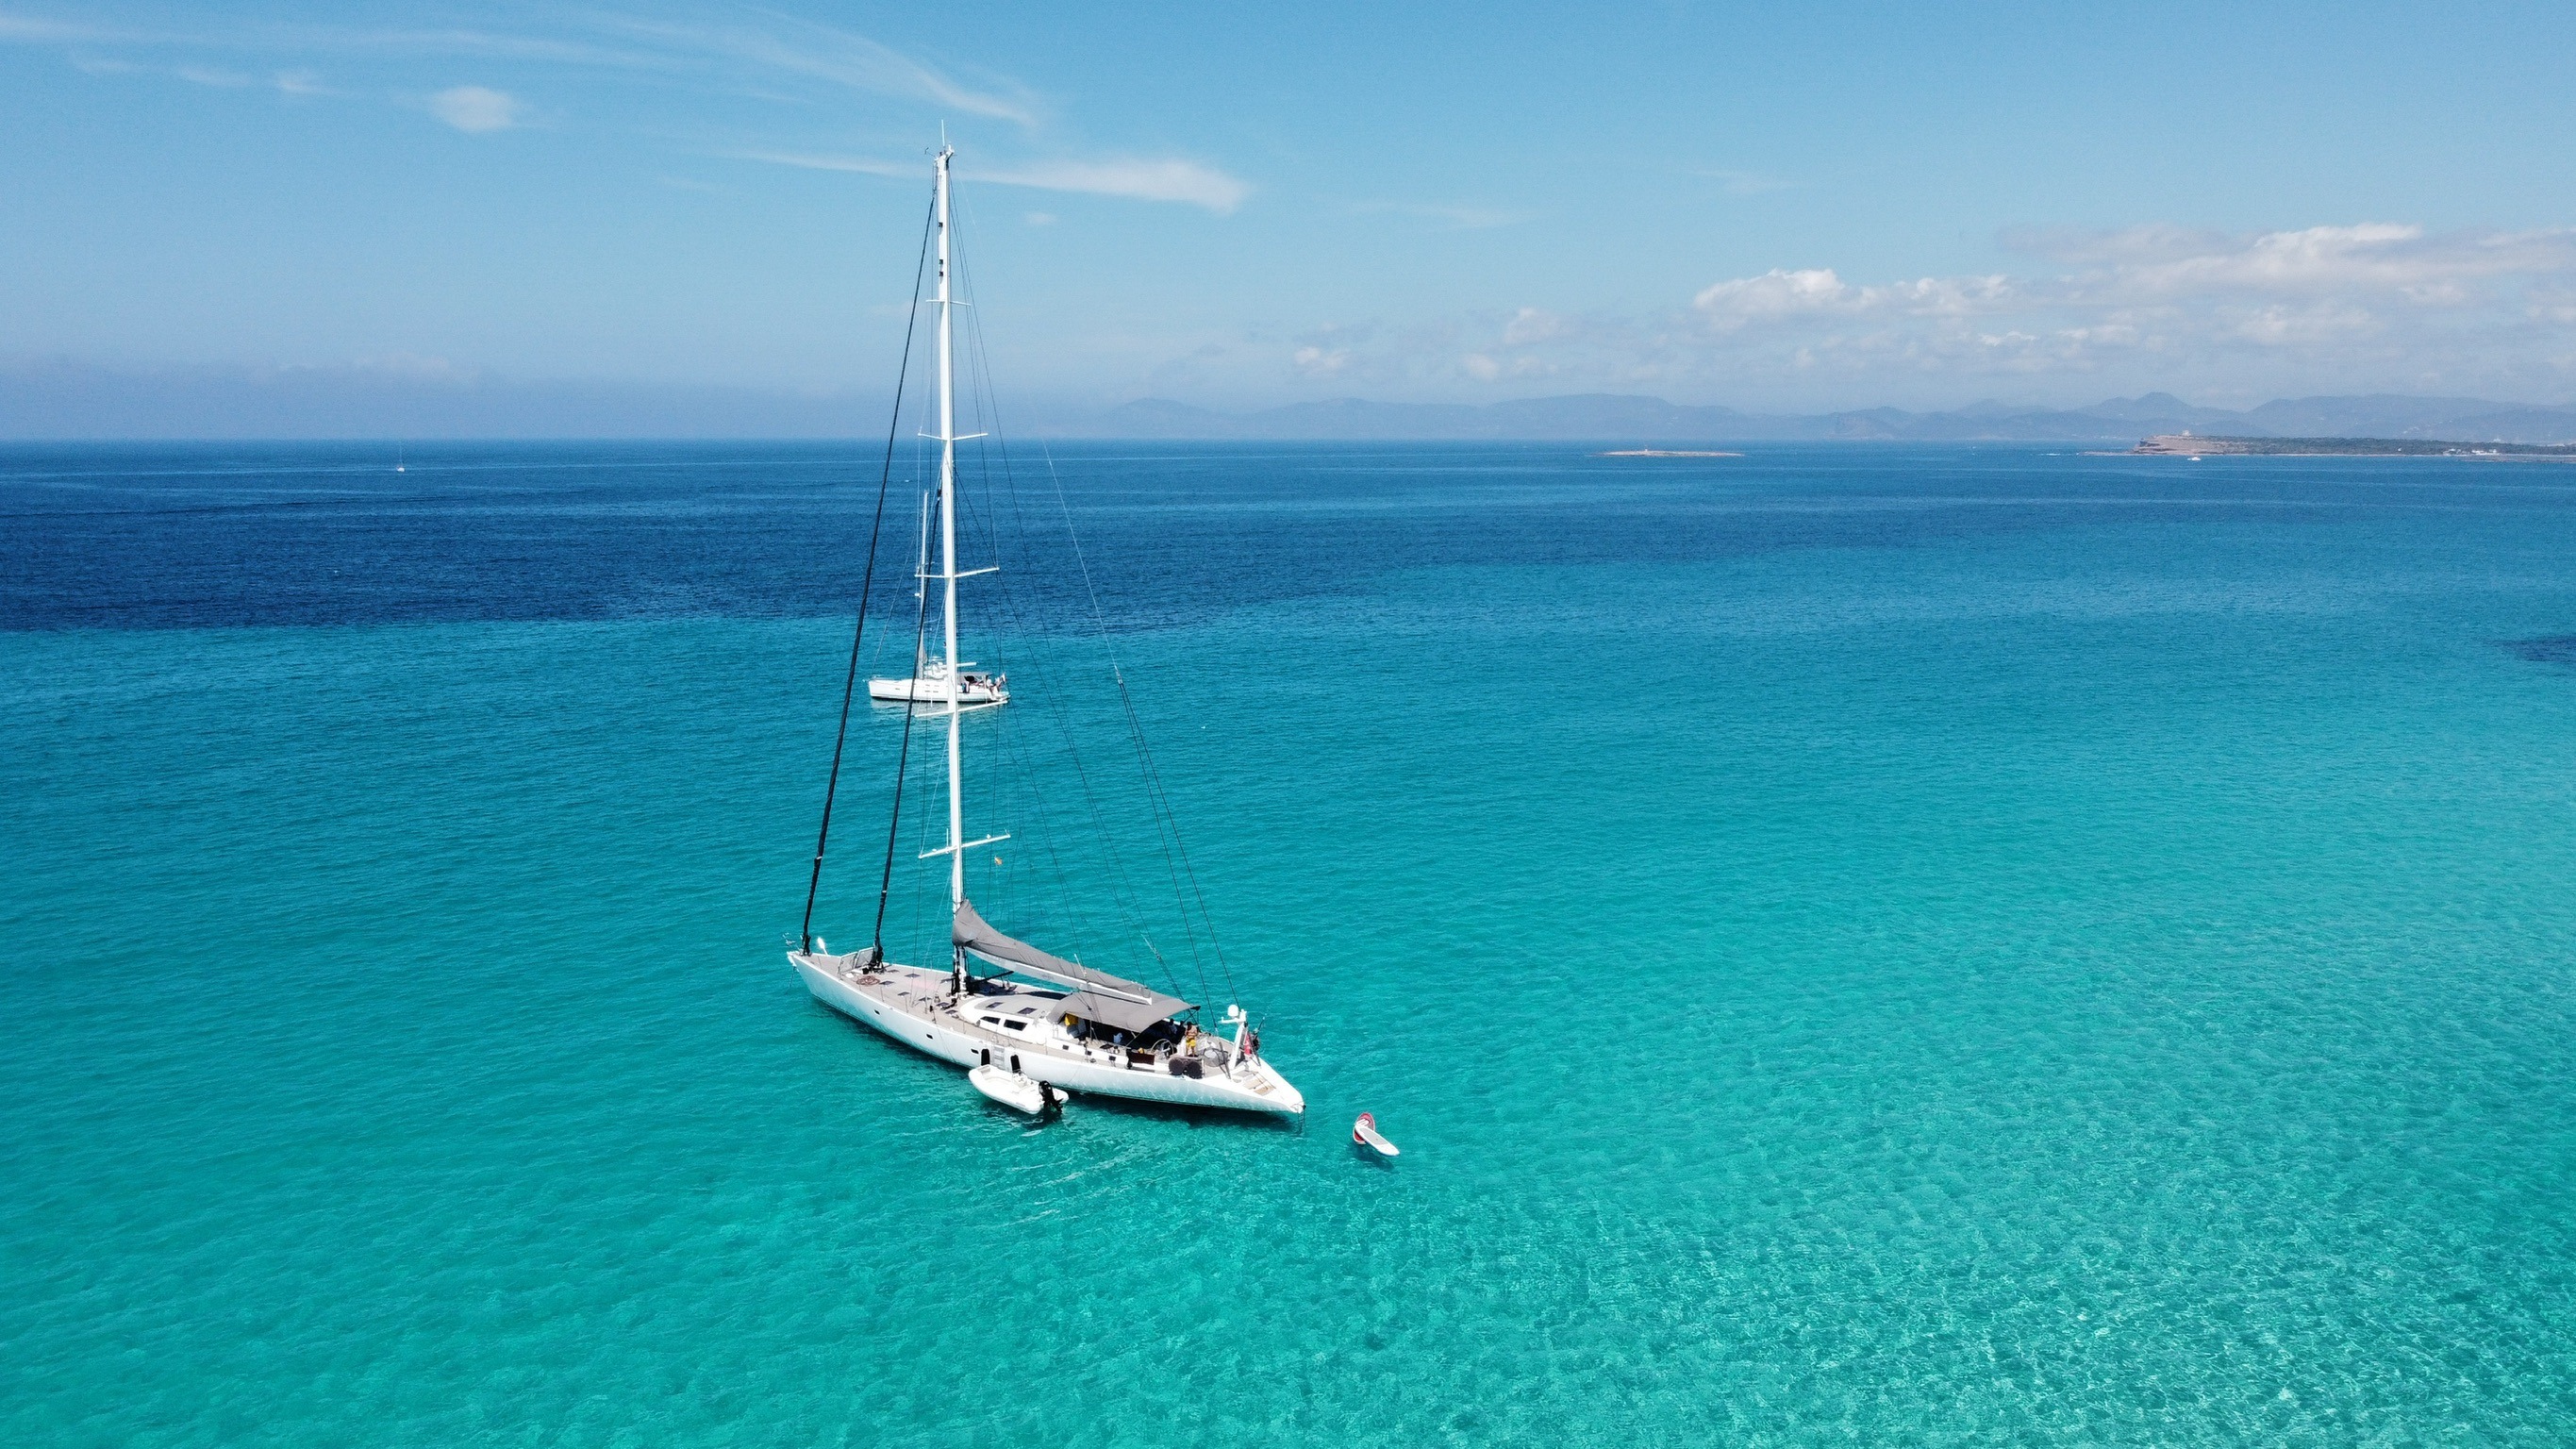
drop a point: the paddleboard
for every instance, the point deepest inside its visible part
(1364, 1133)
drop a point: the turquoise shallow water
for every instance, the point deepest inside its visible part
(1917, 946)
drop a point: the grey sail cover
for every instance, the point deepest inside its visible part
(1112, 1001)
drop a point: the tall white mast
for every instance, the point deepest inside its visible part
(948, 554)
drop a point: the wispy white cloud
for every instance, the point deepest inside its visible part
(840, 57)
(342, 40)
(200, 75)
(477, 109)
(1138, 178)
(2553, 304)
(470, 44)
(1142, 180)
(782, 47)
(805, 67)
(1745, 183)
(1457, 218)
(2373, 257)
(286, 82)
(797, 64)
(40, 30)
(412, 365)
(2159, 262)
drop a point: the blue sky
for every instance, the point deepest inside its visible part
(1776, 207)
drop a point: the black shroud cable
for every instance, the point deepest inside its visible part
(867, 586)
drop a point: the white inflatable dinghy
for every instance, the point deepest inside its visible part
(1019, 1093)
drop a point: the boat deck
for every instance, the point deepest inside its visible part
(1009, 1024)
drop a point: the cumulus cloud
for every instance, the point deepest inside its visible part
(2330, 298)
(476, 109)
(1775, 293)
(1531, 325)
(2364, 307)
(1313, 361)
(1779, 294)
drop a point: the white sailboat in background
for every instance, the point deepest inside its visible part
(931, 678)
(1054, 1022)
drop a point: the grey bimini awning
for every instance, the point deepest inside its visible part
(1112, 1001)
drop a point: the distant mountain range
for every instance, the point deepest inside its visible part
(57, 398)
(1647, 420)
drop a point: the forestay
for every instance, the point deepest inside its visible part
(1113, 1001)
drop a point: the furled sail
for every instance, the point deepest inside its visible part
(1112, 1001)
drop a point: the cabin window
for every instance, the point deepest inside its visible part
(1017, 1025)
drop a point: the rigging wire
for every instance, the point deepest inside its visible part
(1062, 897)
(867, 586)
(1166, 822)
(1158, 800)
(1167, 825)
(903, 758)
(1168, 817)
(1031, 623)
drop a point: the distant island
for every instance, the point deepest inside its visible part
(2172, 444)
(1627, 421)
(55, 399)
(1662, 453)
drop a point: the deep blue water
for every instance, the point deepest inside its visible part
(1858, 944)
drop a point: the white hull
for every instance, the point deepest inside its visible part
(912, 1006)
(921, 691)
(932, 685)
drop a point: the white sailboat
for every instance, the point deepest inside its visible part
(932, 679)
(1053, 1021)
